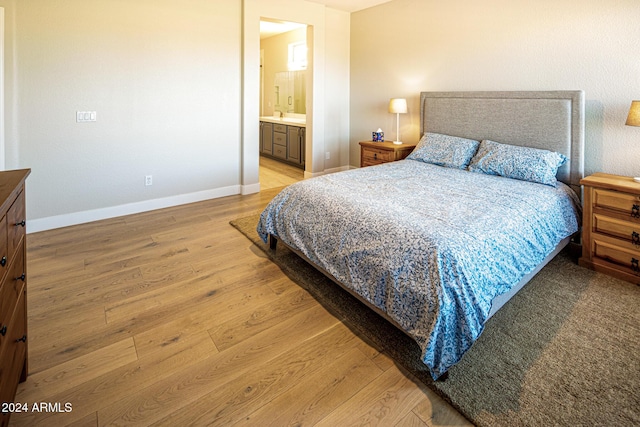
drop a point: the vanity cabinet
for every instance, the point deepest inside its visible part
(280, 141)
(295, 147)
(283, 142)
(266, 138)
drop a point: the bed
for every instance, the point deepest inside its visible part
(438, 242)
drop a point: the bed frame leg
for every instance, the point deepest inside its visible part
(273, 241)
(443, 377)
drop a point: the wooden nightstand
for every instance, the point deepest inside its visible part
(375, 153)
(611, 226)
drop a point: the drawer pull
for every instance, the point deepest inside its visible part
(21, 223)
(634, 265)
(3, 331)
(375, 156)
(23, 339)
(3, 261)
(635, 211)
(635, 238)
(22, 277)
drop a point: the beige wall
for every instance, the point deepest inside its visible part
(173, 86)
(431, 45)
(164, 80)
(8, 129)
(336, 91)
(168, 80)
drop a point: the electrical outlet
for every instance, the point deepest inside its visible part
(148, 180)
(327, 155)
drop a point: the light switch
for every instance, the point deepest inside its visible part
(85, 116)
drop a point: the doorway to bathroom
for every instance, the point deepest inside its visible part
(284, 83)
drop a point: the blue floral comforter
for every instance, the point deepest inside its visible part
(428, 245)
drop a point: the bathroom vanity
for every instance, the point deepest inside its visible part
(283, 139)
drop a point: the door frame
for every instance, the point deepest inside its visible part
(313, 15)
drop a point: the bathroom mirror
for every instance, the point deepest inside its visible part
(290, 92)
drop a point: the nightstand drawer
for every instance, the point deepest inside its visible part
(371, 163)
(625, 230)
(373, 155)
(615, 200)
(618, 255)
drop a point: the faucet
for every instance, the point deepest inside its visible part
(281, 113)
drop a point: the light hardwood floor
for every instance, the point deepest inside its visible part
(277, 174)
(174, 318)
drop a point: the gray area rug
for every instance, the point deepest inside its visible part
(564, 351)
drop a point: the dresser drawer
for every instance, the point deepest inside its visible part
(4, 251)
(372, 155)
(16, 223)
(12, 354)
(616, 201)
(10, 289)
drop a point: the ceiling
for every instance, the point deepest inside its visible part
(270, 28)
(349, 5)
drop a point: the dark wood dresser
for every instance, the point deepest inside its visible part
(13, 287)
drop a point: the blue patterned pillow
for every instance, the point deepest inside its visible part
(445, 150)
(523, 163)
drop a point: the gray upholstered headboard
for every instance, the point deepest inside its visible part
(553, 120)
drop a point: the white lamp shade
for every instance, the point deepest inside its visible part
(633, 119)
(398, 105)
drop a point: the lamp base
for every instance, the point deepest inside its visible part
(635, 178)
(400, 143)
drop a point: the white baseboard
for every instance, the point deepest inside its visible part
(74, 218)
(325, 172)
(250, 189)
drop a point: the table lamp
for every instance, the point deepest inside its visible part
(398, 106)
(633, 119)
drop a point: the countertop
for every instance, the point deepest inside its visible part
(284, 120)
